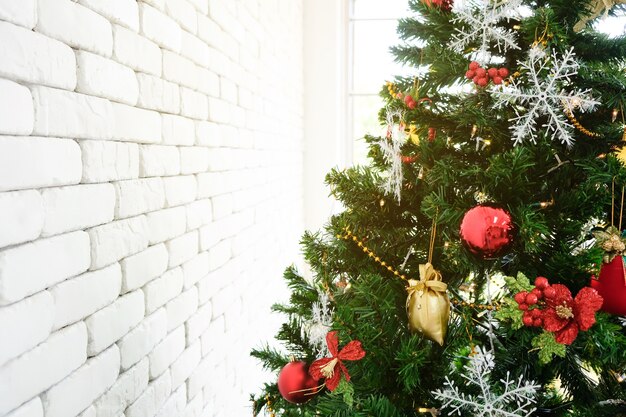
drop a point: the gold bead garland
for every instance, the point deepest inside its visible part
(580, 127)
(350, 236)
(391, 88)
(268, 406)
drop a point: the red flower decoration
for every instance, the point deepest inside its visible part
(566, 316)
(332, 368)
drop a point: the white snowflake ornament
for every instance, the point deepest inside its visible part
(515, 398)
(391, 149)
(543, 91)
(479, 24)
(318, 327)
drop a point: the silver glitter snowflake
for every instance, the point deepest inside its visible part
(478, 24)
(544, 90)
(320, 324)
(391, 149)
(516, 397)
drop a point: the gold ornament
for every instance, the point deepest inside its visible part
(596, 9)
(428, 305)
(413, 134)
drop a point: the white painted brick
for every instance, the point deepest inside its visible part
(209, 236)
(219, 110)
(37, 370)
(25, 324)
(199, 213)
(89, 412)
(108, 325)
(201, 5)
(124, 392)
(222, 206)
(138, 196)
(142, 339)
(34, 58)
(152, 398)
(193, 159)
(123, 12)
(158, 94)
(77, 207)
(25, 209)
(103, 77)
(136, 125)
(207, 134)
(159, 4)
(194, 49)
(208, 82)
(82, 296)
(166, 224)
(175, 405)
(193, 104)
(182, 248)
(179, 69)
(183, 13)
(33, 408)
(228, 90)
(20, 12)
(143, 267)
(135, 51)
(213, 335)
(86, 384)
(17, 115)
(177, 130)
(200, 377)
(163, 289)
(157, 160)
(209, 31)
(211, 184)
(68, 114)
(194, 407)
(219, 254)
(109, 161)
(181, 308)
(38, 162)
(195, 269)
(159, 28)
(166, 352)
(74, 25)
(114, 241)
(58, 258)
(180, 190)
(198, 323)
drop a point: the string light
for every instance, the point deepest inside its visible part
(433, 411)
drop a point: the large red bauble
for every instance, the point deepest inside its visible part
(487, 231)
(295, 384)
(611, 285)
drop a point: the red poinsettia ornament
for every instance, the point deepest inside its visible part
(332, 368)
(565, 315)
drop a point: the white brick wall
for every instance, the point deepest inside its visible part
(150, 165)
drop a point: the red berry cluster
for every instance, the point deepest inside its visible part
(481, 76)
(410, 101)
(528, 302)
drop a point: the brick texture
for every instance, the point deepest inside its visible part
(150, 196)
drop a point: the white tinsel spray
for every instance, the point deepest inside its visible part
(318, 327)
(391, 148)
(543, 92)
(516, 397)
(478, 21)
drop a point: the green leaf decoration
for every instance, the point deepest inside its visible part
(548, 347)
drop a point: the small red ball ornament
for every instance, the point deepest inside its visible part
(487, 231)
(611, 285)
(295, 384)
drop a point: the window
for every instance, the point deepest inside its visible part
(372, 31)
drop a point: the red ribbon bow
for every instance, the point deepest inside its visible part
(332, 368)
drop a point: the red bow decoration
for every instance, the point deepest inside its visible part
(566, 316)
(332, 368)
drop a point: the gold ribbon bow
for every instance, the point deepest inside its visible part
(428, 305)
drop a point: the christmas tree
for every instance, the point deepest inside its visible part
(477, 269)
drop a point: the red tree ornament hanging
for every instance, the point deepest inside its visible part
(445, 5)
(487, 231)
(332, 368)
(611, 284)
(295, 383)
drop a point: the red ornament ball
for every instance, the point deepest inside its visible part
(527, 319)
(295, 384)
(541, 283)
(497, 80)
(482, 82)
(531, 299)
(493, 72)
(487, 231)
(474, 65)
(611, 285)
(470, 74)
(503, 72)
(520, 297)
(549, 292)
